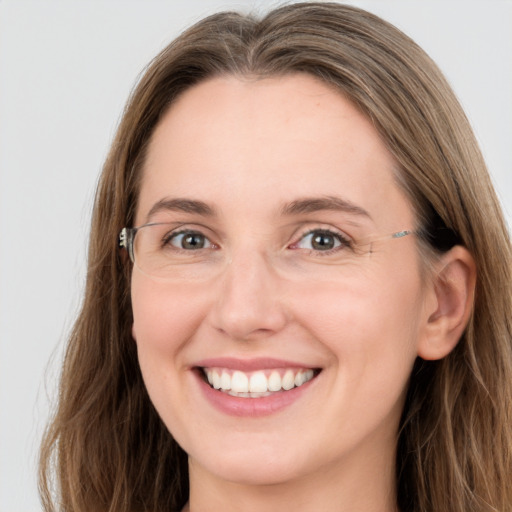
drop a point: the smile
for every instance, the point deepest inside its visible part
(257, 384)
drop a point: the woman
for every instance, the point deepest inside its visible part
(309, 307)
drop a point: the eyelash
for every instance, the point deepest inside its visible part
(343, 241)
(168, 238)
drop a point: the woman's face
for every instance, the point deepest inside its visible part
(263, 182)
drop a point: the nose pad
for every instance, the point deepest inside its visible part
(249, 304)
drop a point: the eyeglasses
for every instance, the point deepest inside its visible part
(166, 250)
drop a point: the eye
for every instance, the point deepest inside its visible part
(321, 240)
(189, 241)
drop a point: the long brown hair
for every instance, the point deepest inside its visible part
(107, 450)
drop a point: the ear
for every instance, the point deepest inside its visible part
(452, 293)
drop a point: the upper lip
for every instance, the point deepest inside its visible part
(248, 365)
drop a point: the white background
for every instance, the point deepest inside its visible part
(66, 68)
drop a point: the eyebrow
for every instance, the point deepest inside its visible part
(182, 205)
(315, 204)
(299, 206)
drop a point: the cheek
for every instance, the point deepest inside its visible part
(165, 318)
(370, 325)
(360, 308)
(163, 314)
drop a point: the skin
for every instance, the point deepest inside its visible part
(259, 291)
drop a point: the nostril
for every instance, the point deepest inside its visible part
(244, 322)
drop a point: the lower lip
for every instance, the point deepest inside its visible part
(251, 407)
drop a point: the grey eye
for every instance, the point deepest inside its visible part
(190, 241)
(320, 240)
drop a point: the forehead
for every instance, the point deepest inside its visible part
(242, 143)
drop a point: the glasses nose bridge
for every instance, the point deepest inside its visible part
(249, 268)
(248, 302)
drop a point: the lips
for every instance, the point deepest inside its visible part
(231, 385)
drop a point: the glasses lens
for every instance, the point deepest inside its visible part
(148, 249)
(169, 251)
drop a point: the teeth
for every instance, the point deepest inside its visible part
(216, 380)
(256, 384)
(288, 380)
(239, 382)
(303, 376)
(225, 381)
(274, 382)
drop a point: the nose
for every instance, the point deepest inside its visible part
(249, 302)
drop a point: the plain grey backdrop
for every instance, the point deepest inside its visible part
(66, 68)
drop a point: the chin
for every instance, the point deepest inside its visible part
(253, 467)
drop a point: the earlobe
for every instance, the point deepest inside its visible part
(453, 292)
